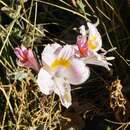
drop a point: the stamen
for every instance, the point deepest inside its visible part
(110, 58)
(112, 49)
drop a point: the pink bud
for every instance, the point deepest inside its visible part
(26, 58)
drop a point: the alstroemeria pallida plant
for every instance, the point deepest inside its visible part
(26, 58)
(88, 46)
(60, 69)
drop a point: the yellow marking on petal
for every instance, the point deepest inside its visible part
(90, 42)
(93, 37)
(67, 96)
(60, 62)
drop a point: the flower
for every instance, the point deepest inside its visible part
(26, 58)
(60, 69)
(88, 46)
(90, 42)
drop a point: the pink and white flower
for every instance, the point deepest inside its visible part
(89, 42)
(26, 58)
(88, 46)
(60, 69)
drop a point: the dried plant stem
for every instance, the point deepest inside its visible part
(51, 110)
(7, 37)
(4, 65)
(108, 5)
(32, 26)
(89, 6)
(10, 29)
(35, 20)
(30, 11)
(113, 46)
(124, 125)
(24, 10)
(21, 107)
(65, 3)
(103, 13)
(3, 3)
(63, 8)
(7, 104)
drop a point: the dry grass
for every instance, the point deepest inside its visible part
(22, 105)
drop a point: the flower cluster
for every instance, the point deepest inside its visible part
(63, 66)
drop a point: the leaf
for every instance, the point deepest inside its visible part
(81, 6)
(108, 128)
(10, 12)
(20, 75)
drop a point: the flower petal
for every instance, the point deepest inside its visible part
(49, 53)
(82, 30)
(82, 45)
(24, 64)
(66, 52)
(24, 49)
(20, 54)
(45, 82)
(63, 89)
(77, 73)
(94, 37)
(97, 59)
(32, 60)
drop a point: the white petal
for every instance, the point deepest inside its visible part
(66, 52)
(82, 30)
(94, 32)
(56, 47)
(97, 59)
(77, 73)
(24, 49)
(49, 53)
(45, 82)
(63, 89)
